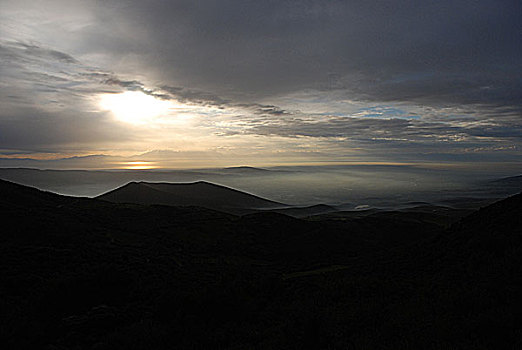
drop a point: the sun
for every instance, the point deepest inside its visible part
(136, 165)
(134, 107)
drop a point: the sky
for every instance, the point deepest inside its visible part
(188, 84)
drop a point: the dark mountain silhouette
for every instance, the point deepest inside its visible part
(510, 180)
(242, 169)
(80, 273)
(18, 195)
(201, 193)
(495, 229)
(507, 184)
(302, 212)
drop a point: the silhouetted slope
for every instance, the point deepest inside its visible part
(469, 279)
(498, 221)
(245, 169)
(511, 181)
(199, 193)
(481, 273)
(82, 273)
(429, 214)
(303, 212)
(12, 194)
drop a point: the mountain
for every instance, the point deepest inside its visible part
(245, 169)
(302, 212)
(511, 179)
(496, 229)
(424, 213)
(512, 182)
(82, 273)
(201, 194)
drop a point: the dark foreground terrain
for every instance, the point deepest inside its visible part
(81, 273)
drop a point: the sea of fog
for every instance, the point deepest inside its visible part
(347, 186)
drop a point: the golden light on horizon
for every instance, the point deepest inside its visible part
(134, 107)
(139, 165)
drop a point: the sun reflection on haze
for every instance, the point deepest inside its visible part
(138, 165)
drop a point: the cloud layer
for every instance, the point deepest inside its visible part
(271, 81)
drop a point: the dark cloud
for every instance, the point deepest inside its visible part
(409, 78)
(443, 52)
(38, 51)
(191, 96)
(27, 52)
(433, 52)
(394, 138)
(39, 131)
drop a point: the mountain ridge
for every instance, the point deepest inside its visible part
(199, 193)
(82, 273)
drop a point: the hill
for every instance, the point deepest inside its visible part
(201, 193)
(245, 169)
(302, 212)
(80, 273)
(512, 180)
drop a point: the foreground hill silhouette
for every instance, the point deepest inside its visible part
(81, 273)
(201, 193)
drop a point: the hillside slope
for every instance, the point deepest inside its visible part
(81, 273)
(201, 193)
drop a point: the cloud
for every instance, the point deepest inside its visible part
(406, 79)
(47, 102)
(442, 52)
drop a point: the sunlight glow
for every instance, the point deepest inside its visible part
(134, 106)
(138, 165)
